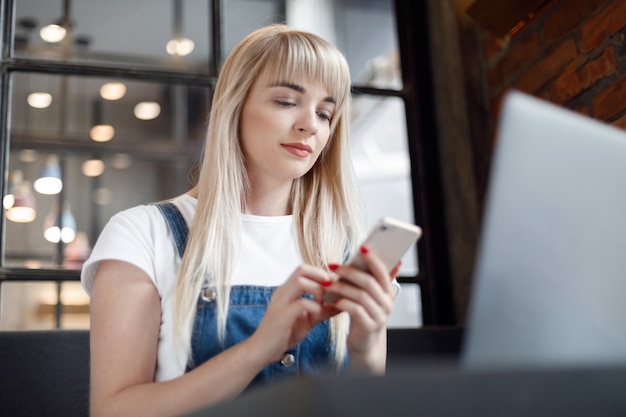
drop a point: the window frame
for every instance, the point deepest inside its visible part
(417, 93)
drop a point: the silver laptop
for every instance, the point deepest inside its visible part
(550, 280)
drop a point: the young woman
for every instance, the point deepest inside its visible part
(196, 299)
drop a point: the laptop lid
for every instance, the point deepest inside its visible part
(550, 280)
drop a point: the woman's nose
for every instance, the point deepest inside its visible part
(307, 122)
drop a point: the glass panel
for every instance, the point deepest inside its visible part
(141, 38)
(148, 160)
(364, 30)
(378, 143)
(75, 104)
(380, 156)
(144, 161)
(243, 16)
(33, 306)
(407, 308)
(134, 32)
(125, 181)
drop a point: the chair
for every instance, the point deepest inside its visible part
(44, 373)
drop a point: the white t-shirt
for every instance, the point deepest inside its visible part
(140, 236)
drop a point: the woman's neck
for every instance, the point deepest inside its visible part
(266, 200)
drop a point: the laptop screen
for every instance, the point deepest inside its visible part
(550, 280)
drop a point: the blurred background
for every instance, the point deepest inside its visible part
(107, 109)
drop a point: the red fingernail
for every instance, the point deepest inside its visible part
(364, 249)
(333, 267)
(326, 283)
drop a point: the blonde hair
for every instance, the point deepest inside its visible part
(325, 202)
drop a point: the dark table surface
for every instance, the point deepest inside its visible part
(440, 389)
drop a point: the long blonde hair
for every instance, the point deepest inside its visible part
(326, 205)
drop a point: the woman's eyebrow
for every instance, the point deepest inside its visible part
(300, 89)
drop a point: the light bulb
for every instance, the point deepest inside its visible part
(52, 33)
(53, 233)
(102, 133)
(39, 100)
(21, 214)
(112, 91)
(23, 209)
(49, 182)
(180, 47)
(67, 234)
(48, 185)
(147, 110)
(93, 168)
(8, 201)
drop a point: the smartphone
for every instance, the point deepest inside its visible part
(389, 239)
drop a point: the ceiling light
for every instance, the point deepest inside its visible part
(112, 91)
(93, 167)
(23, 209)
(65, 232)
(52, 33)
(180, 47)
(39, 100)
(8, 201)
(102, 133)
(49, 182)
(147, 110)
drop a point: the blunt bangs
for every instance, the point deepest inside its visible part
(295, 55)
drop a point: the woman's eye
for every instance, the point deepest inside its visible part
(325, 116)
(284, 103)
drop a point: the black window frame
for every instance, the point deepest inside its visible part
(416, 92)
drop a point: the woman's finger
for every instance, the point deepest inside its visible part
(306, 279)
(395, 271)
(376, 267)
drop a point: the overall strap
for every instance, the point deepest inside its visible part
(176, 223)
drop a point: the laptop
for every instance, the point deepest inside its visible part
(550, 277)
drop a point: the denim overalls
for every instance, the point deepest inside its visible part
(248, 303)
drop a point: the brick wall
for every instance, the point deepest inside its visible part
(570, 52)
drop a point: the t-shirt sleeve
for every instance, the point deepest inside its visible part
(128, 236)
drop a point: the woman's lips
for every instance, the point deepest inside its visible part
(298, 149)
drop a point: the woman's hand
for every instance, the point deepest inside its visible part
(290, 316)
(125, 321)
(368, 298)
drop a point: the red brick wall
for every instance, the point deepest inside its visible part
(570, 52)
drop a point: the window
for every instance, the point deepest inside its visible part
(111, 158)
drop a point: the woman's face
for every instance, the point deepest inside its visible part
(284, 127)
